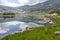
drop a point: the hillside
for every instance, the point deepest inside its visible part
(45, 6)
(8, 9)
(41, 33)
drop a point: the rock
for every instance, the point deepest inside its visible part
(57, 32)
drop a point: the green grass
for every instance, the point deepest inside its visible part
(40, 33)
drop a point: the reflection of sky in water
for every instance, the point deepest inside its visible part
(13, 26)
(8, 29)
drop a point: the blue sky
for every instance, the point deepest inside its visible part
(14, 3)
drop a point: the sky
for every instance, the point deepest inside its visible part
(15, 3)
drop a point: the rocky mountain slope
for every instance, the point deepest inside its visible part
(48, 5)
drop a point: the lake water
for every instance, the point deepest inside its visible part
(13, 26)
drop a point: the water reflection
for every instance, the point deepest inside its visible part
(13, 26)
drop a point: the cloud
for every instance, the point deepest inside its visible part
(42, 1)
(10, 4)
(3, 30)
(15, 3)
(7, 3)
(23, 1)
(13, 23)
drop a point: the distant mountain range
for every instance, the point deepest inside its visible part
(8, 9)
(48, 5)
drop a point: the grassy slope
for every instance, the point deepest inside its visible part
(41, 33)
(36, 12)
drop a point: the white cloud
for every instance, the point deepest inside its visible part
(10, 4)
(23, 1)
(13, 23)
(42, 1)
(3, 30)
(7, 3)
(19, 2)
(13, 4)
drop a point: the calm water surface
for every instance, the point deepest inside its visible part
(13, 26)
